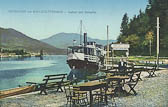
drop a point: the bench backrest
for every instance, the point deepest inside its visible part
(54, 78)
(139, 69)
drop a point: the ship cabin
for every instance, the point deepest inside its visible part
(90, 49)
(75, 49)
(90, 52)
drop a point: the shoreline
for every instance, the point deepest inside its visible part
(18, 56)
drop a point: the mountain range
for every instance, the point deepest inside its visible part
(13, 39)
(63, 40)
(56, 44)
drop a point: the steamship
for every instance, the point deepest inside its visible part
(86, 56)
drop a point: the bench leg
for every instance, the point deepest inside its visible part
(153, 73)
(59, 87)
(43, 89)
(132, 89)
(139, 78)
(150, 75)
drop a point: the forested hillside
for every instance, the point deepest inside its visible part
(140, 31)
(12, 40)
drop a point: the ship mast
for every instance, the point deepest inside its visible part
(107, 55)
(80, 32)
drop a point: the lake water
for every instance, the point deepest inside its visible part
(18, 71)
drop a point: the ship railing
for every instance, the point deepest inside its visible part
(91, 58)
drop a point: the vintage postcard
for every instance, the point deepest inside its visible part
(91, 53)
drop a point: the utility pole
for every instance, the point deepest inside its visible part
(107, 57)
(158, 42)
(81, 32)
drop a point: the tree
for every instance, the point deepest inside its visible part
(134, 42)
(124, 25)
(159, 8)
(149, 40)
(145, 22)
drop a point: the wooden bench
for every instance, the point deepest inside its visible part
(51, 82)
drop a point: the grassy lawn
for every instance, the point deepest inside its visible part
(144, 59)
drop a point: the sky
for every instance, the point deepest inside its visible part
(41, 19)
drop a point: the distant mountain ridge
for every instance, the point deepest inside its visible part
(63, 40)
(13, 39)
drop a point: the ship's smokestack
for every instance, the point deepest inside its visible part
(85, 43)
(85, 39)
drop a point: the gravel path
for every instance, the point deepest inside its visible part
(152, 92)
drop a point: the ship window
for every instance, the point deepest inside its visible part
(78, 50)
(70, 50)
(90, 51)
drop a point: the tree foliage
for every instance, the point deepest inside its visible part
(140, 25)
(124, 25)
(148, 38)
(16, 51)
